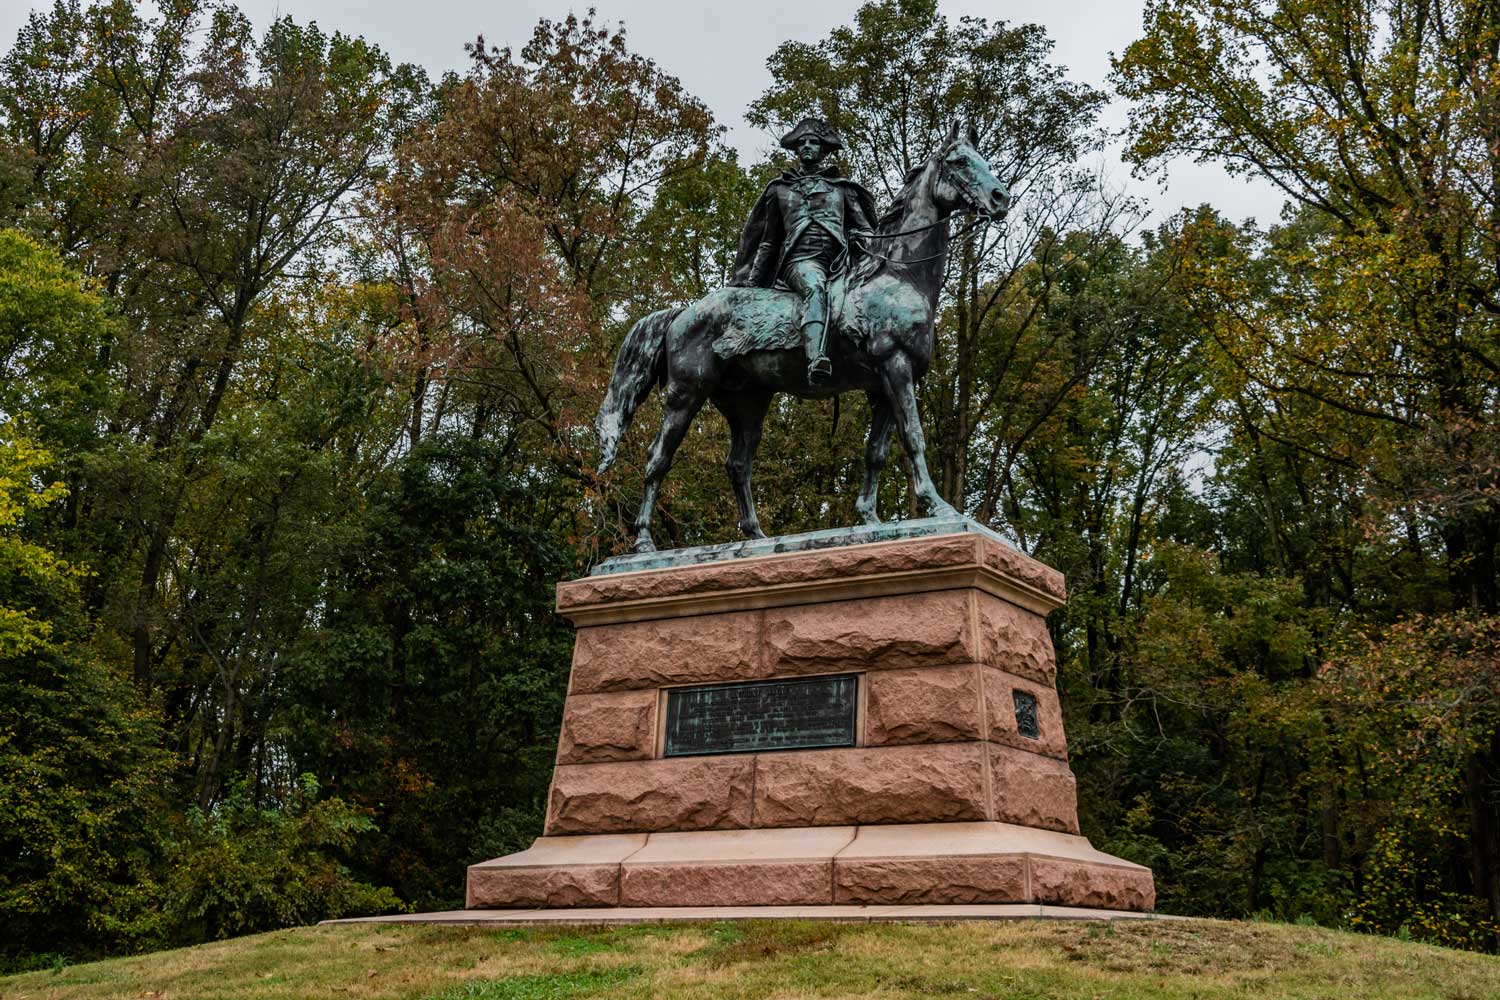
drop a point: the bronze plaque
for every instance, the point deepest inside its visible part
(797, 714)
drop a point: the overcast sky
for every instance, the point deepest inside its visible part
(719, 52)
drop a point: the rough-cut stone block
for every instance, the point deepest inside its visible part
(922, 705)
(735, 868)
(1109, 887)
(699, 793)
(1032, 790)
(598, 728)
(772, 883)
(554, 871)
(652, 654)
(906, 784)
(574, 885)
(1007, 562)
(875, 633)
(1000, 714)
(999, 879)
(907, 818)
(1015, 640)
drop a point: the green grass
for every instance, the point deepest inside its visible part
(1021, 960)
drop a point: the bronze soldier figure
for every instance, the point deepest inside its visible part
(802, 233)
(730, 347)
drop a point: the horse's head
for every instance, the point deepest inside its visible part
(964, 180)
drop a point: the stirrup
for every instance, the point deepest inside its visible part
(819, 370)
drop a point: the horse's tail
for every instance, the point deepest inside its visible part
(640, 365)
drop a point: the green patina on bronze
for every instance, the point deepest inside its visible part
(873, 317)
(802, 713)
(802, 233)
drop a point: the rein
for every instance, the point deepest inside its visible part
(922, 229)
(981, 223)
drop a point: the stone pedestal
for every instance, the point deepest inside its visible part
(952, 793)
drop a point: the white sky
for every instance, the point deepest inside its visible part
(719, 52)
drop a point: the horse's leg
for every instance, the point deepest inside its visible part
(877, 449)
(679, 406)
(901, 390)
(746, 412)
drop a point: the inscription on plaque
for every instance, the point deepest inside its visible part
(799, 714)
(1026, 722)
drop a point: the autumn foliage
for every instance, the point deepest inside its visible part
(300, 349)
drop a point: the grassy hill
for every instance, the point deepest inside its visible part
(1021, 960)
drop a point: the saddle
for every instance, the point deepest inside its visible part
(769, 319)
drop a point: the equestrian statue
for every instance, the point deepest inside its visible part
(824, 300)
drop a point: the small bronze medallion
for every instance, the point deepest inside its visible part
(1026, 723)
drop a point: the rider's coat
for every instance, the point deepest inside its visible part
(792, 212)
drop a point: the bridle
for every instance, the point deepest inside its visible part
(982, 222)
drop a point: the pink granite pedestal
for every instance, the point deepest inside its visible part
(943, 799)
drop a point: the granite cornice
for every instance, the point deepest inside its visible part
(875, 569)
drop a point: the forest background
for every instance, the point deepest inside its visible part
(299, 351)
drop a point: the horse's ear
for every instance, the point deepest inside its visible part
(973, 137)
(952, 134)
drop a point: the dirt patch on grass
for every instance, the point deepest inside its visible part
(763, 941)
(1190, 948)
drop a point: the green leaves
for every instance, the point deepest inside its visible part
(30, 574)
(245, 868)
(80, 765)
(53, 330)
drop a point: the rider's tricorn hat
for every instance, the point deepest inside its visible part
(815, 127)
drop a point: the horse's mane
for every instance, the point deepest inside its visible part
(891, 217)
(890, 222)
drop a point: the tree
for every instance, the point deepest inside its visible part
(196, 175)
(1362, 332)
(431, 690)
(1119, 406)
(80, 765)
(1415, 701)
(893, 84)
(1375, 120)
(509, 225)
(51, 331)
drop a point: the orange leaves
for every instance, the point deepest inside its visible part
(507, 222)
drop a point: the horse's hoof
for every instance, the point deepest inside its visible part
(868, 517)
(644, 545)
(751, 530)
(942, 509)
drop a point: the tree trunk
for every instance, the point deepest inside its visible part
(1482, 795)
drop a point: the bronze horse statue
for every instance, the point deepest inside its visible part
(738, 347)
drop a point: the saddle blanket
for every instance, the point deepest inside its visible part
(769, 319)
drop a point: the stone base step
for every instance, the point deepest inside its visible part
(615, 915)
(904, 865)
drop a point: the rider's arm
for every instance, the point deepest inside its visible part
(855, 222)
(764, 261)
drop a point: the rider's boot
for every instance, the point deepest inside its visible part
(819, 368)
